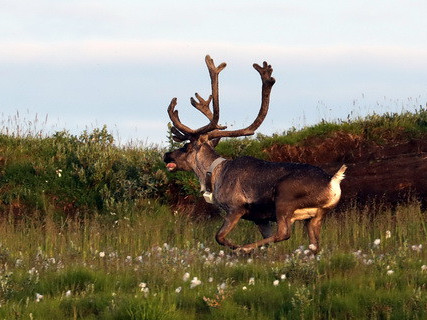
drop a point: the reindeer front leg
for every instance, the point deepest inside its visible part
(283, 233)
(230, 222)
(266, 228)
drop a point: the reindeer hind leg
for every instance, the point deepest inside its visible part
(313, 228)
(283, 215)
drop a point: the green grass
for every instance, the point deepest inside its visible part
(133, 268)
(389, 127)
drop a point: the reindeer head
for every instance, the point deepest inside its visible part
(202, 141)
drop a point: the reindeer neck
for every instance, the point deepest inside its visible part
(203, 162)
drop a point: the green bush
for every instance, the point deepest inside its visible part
(78, 173)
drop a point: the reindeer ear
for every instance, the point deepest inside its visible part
(214, 142)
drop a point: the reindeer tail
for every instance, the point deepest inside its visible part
(339, 176)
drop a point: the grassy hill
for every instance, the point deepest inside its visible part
(88, 173)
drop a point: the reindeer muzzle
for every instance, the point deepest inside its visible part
(171, 166)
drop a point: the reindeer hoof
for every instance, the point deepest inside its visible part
(313, 248)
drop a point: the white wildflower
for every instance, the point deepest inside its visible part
(185, 277)
(390, 272)
(275, 283)
(18, 262)
(58, 172)
(222, 286)
(250, 260)
(102, 254)
(34, 274)
(142, 285)
(417, 248)
(251, 281)
(377, 242)
(283, 277)
(210, 279)
(307, 252)
(368, 262)
(221, 253)
(195, 282)
(298, 251)
(38, 297)
(244, 288)
(357, 253)
(178, 290)
(388, 234)
(68, 293)
(210, 257)
(424, 267)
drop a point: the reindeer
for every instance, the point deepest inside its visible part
(250, 188)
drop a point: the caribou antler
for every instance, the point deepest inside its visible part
(267, 83)
(202, 105)
(181, 131)
(213, 129)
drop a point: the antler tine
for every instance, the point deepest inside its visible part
(267, 83)
(202, 105)
(178, 136)
(173, 115)
(214, 72)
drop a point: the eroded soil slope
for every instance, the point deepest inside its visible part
(390, 171)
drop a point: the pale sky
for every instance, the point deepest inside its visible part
(89, 63)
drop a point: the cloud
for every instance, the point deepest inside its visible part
(109, 51)
(102, 81)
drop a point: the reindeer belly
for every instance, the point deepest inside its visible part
(260, 211)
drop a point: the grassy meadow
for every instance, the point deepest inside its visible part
(157, 264)
(89, 230)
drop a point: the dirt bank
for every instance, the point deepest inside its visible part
(390, 171)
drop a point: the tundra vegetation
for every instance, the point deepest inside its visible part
(89, 230)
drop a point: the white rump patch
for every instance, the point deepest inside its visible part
(303, 214)
(335, 188)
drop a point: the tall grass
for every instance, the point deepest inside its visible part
(134, 267)
(377, 128)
